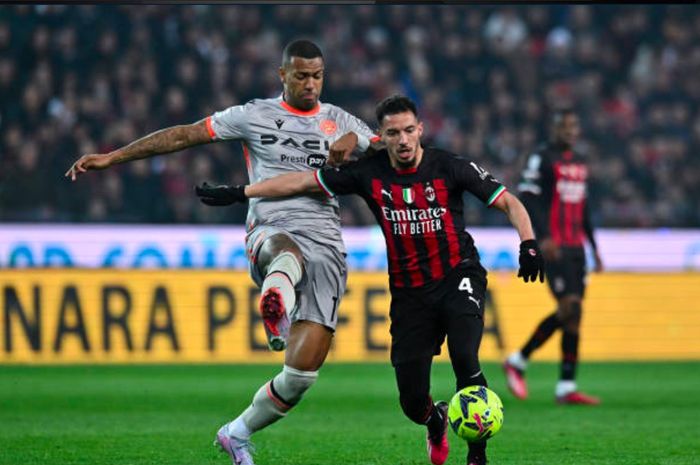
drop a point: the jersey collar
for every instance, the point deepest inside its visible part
(399, 171)
(298, 112)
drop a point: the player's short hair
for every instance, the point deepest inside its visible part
(393, 105)
(559, 114)
(301, 48)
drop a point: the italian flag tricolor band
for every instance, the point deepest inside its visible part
(496, 195)
(322, 184)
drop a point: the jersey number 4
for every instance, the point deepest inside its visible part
(466, 285)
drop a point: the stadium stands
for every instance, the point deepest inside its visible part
(80, 79)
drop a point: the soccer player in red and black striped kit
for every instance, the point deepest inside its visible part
(554, 189)
(436, 281)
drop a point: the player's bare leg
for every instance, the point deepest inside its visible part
(566, 391)
(281, 262)
(307, 348)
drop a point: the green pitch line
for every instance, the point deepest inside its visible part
(121, 415)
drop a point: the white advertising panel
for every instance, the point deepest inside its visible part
(149, 246)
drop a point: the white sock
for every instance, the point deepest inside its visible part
(237, 428)
(564, 387)
(517, 360)
(263, 411)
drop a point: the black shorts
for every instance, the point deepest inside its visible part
(567, 275)
(422, 317)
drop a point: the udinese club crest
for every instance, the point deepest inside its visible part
(328, 127)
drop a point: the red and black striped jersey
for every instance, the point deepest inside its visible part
(554, 189)
(420, 210)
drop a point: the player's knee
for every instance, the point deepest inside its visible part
(288, 264)
(572, 310)
(290, 385)
(276, 247)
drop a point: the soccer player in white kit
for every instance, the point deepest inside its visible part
(294, 246)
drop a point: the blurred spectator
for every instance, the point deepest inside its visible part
(90, 78)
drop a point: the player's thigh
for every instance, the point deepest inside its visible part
(323, 285)
(462, 309)
(415, 330)
(567, 275)
(308, 345)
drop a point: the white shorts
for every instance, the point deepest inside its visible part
(323, 282)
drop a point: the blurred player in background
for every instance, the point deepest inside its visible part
(294, 246)
(554, 189)
(436, 279)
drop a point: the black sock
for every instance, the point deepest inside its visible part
(477, 449)
(569, 349)
(541, 334)
(435, 423)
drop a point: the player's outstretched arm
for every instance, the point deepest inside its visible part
(517, 214)
(166, 140)
(303, 182)
(531, 261)
(284, 185)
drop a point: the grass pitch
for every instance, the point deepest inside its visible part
(122, 415)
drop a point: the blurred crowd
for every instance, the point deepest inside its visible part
(91, 78)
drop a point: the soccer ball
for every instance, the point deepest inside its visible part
(475, 413)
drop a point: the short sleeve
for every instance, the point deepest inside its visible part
(231, 123)
(470, 177)
(536, 176)
(340, 181)
(359, 127)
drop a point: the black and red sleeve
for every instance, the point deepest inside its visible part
(535, 190)
(470, 177)
(588, 226)
(340, 181)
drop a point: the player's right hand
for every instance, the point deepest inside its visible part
(220, 195)
(340, 151)
(94, 161)
(531, 262)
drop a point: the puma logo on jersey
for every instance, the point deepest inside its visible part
(476, 301)
(387, 193)
(279, 123)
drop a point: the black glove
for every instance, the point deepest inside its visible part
(531, 261)
(221, 195)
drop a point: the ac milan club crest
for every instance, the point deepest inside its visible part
(429, 193)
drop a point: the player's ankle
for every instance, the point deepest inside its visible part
(517, 360)
(237, 428)
(564, 387)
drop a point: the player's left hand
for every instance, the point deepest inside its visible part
(340, 151)
(598, 262)
(220, 195)
(531, 261)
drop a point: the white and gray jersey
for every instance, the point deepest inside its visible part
(278, 139)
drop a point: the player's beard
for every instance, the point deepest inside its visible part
(406, 163)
